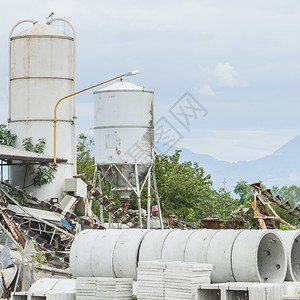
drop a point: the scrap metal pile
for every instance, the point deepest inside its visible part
(265, 213)
(25, 217)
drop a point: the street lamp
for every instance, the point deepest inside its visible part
(93, 86)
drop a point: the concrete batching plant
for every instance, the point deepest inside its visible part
(41, 71)
(124, 140)
(41, 75)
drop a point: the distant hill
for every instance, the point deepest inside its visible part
(280, 168)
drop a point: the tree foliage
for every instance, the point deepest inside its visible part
(85, 156)
(186, 190)
(41, 174)
(6, 137)
(290, 194)
(244, 191)
(39, 147)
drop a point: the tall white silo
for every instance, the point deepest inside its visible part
(42, 70)
(124, 136)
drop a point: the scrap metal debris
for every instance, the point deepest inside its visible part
(264, 212)
(52, 225)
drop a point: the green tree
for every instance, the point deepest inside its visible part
(86, 166)
(85, 156)
(186, 190)
(6, 137)
(290, 194)
(42, 174)
(244, 191)
(224, 204)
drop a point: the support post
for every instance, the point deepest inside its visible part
(149, 202)
(138, 196)
(157, 199)
(101, 194)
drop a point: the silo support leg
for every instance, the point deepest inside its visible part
(149, 202)
(157, 200)
(138, 195)
(101, 193)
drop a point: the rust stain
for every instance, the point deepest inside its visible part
(14, 230)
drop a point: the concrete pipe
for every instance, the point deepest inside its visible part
(258, 255)
(125, 254)
(291, 243)
(219, 254)
(65, 286)
(80, 255)
(152, 244)
(174, 245)
(101, 260)
(197, 245)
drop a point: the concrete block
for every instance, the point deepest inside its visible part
(210, 292)
(19, 296)
(242, 291)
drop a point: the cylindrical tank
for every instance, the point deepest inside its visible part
(42, 70)
(81, 253)
(197, 245)
(106, 253)
(236, 255)
(261, 254)
(126, 253)
(174, 245)
(152, 245)
(219, 255)
(124, 136)
(291, 243)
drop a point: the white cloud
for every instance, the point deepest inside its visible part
(207, 90)
(223, 74)
(227, 75)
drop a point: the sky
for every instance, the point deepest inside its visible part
(225, 74)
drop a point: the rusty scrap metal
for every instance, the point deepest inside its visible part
(294, 212)
(14, 230)
(265, 214)
(286, 205)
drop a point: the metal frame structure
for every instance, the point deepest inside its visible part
(266, 214)
(137, 189)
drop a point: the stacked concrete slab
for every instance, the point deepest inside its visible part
(182, 279)
(86, 288)
(170, 280)
(242, 291)
(150, 280)
(103, 288)
(124, 288)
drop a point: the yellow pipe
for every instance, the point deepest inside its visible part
(56, 105)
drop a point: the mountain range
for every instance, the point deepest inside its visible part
(280, 168)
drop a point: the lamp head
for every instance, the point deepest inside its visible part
(134, 72)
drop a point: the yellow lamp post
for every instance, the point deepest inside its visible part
(73, 94)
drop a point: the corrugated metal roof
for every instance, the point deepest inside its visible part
(11, 153)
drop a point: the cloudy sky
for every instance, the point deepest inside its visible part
(239, 61)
